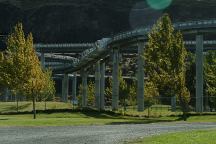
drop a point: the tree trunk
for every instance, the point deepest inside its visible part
(34, 110)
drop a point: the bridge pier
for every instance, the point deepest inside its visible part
(74, 88)
(42, 60)
(199, 73)
(102, 85)
(173, 103)
(115, 82)
(84, 88)
(65, 83)
(140, 78)
(6, 94)
(97, 85)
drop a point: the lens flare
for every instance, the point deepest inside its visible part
(159, 4)
(141, 15)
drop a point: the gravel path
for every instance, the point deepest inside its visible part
(108, 134)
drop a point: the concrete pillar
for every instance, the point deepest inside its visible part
(140, 78)
(115, 82)
(102, 86)
(199, 73)
(173, 103)
(74, 87)
(97, 85)
(84, 88)
(42, 60)
(65, 83)
(6, 94)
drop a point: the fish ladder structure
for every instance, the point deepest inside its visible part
(69, 58)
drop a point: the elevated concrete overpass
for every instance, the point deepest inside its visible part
(132, 41)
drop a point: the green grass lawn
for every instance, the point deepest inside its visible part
(87, 117)
(74, 118)
(191, 137)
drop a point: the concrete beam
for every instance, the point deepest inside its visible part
(115, 82)
(140, 78)
(199, 73)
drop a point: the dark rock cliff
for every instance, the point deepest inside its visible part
(88, 20)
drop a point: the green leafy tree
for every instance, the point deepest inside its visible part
(165, 57)
(210, 79)
(20, 69)
(91, 94)
(48, 91)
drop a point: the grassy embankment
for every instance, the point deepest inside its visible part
(190, 137)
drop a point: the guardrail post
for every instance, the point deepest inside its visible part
(74, 88)
(115, 82)
(140, 78)
(84, 88)
(199, 73)
(102, 85)
(65, 83)
(97, 85)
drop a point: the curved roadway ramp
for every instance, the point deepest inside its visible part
(108, 134)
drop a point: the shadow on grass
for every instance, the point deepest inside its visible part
(141, 121)
(3, 119)
(14, 108)
(85, 112)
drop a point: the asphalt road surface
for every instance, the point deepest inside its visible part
(108, 134)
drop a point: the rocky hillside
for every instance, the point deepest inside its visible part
(89, 20)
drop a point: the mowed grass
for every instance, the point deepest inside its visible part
(69, 117)
(190, 137)
(74, 119)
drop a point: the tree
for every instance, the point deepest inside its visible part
(91, 93)
(123, 90)
(20, 69)
(210, 79)
(165, 57)
(48, 91)
(13, 62)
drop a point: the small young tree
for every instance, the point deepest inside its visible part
(48, 92)
(91, 94)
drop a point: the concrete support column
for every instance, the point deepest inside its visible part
(6, 94)
(173, 103)
(42, 60)
(102, 86)
(74, 87)
(65, 83)
(199, 73)
(84, 88)
(115, 82)
(140, 78)
(97, 85)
